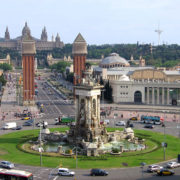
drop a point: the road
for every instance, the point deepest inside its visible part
(54, 105)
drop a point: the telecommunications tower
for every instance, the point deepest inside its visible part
(158, 31)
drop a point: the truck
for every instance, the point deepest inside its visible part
(9, 125)
(64, 120)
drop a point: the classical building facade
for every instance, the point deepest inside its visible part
(41, 44)
(148, 86)
(51, 60)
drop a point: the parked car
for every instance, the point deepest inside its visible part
(172, 164)
(65, 172)
(133, 118)
(17, 128)
(120, 123)
(154, 168)
(98, 172)
(165, 172)
(150, 126)
(6, 164)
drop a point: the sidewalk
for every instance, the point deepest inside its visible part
(9, 105)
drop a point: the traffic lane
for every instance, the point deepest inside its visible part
(170, 127)
(43, 173)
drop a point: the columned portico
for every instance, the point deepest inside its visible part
(167, 96)
(153, 95)
(157, 95)
(162, 95)
(147, 95)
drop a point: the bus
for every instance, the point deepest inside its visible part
(151, 119)
(12, 174)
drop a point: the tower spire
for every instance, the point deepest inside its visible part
(7, 35)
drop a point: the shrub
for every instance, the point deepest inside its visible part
(115, 150)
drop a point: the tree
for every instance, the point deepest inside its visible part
(60, 66)
(2, 80)
(5, 67)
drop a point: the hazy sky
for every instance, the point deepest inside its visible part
(99, 21)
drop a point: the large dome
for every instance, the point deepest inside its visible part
(114, 60)
(26, 30)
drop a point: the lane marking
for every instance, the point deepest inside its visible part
(55, 178)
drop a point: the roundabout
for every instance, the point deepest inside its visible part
(14, 147)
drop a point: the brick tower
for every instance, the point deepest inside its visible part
(28, 60)
(79, 52)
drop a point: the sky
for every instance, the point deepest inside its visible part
(99, 21)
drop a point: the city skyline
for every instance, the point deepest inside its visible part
(100, 21)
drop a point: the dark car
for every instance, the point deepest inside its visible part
(150, 126)
(131, 125)
(17, 128)
(165, 172)
(29, 123)
(98, 172)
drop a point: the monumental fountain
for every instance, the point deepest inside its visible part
(87, 133)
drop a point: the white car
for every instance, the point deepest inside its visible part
(154, 168)
(65, 172)
(6, 164)
(120, 123)
(172, 165)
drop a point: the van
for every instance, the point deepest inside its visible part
(10, 125)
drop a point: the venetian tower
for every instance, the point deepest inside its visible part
(28, 60)
(79, 52)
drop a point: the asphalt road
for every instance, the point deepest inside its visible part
(54, 105)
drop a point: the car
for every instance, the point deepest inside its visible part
(131, 125)
(106, 121)
(42, 124)
(6, 164)
(120, 123)
(98, 172)
(165, 172)
(133, 118)
(150, 126)
(26, 118)
(65, 172)
(17, 128)
(29, 123)
(154, 168)
(172, 164)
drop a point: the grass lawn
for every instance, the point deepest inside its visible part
(9, 151)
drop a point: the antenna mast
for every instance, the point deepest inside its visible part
(158, 31)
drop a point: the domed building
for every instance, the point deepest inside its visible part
(41, 44)
(114, 60)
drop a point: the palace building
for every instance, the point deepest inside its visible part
(41, 44)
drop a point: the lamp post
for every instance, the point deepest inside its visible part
(164, 144)
(142, 167)
(40, 143)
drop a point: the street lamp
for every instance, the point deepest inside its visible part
(142, 167)
(40, 143)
